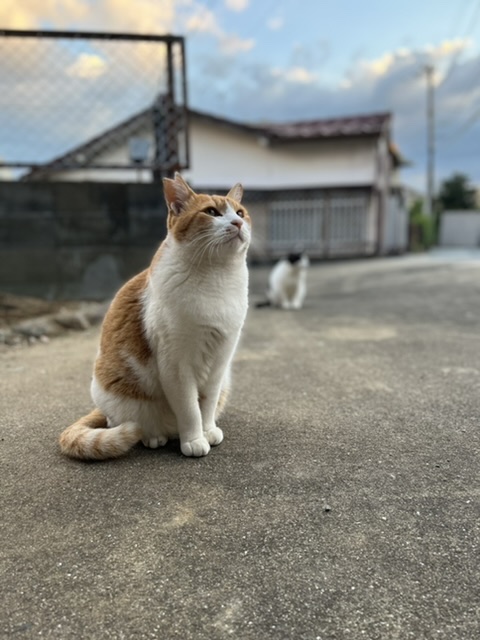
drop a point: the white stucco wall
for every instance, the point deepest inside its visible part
(460, 229)
(221, 156)
(102, 175)
(395, 231)
(117, 155)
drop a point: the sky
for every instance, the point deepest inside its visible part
(291, 60)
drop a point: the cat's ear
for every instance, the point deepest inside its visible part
(236, 192)
(177, 193)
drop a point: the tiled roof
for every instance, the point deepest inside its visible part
(373, 124)
(353, 126)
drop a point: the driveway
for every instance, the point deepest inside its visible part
(343, 503)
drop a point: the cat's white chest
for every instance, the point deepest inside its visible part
(199, 308)
(218, 301)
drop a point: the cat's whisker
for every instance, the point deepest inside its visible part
(207, 248)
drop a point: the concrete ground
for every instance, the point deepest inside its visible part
(343, 503)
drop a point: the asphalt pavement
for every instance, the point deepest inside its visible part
(344, 502)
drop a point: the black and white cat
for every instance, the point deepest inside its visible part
(287, 283)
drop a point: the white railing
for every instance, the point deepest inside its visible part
(332, 223)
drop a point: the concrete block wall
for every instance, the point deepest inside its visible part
(76, 240)
(460, 229)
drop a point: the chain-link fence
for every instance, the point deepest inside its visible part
(77, 103)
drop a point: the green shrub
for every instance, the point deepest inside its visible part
(423, 228)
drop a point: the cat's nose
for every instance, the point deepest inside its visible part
(237, 223)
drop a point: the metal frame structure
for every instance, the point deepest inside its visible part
(169, 111)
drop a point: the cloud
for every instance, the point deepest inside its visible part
(203, 22)
(26, 14)
(141, 16)
(296, 75)
(394, 81)
(275, 23)
(237, 5)
(231, 45)
(448, 47)
(313, 57)
(58, 93)
(14, 15)
(238, 86)
(87, 65)
(439, 55)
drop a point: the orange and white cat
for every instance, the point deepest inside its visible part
(168, 339)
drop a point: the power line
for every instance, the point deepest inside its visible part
(451, 70)
(470, 26)
(464, 127)
(260, 19)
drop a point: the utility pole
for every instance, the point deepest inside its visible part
(429, 71)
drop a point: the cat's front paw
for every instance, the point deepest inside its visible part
(214, 436)
(196, 448)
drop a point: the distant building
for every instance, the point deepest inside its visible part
(460, 229)
(330, 187)
(5, 173)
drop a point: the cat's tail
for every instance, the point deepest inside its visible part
(90, 439)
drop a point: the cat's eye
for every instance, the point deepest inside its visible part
(213, 212)
(240, 213)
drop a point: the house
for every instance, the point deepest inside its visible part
(329, 187)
